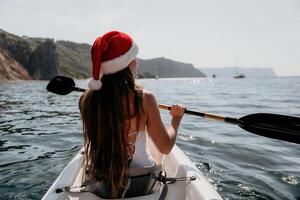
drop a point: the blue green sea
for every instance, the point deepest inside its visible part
(40, 132)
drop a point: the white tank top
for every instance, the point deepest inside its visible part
(141, 156)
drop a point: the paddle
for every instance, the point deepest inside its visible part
(281, 127)
(62, 85)
(275, 126)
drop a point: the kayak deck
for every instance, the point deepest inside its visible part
(176, 164)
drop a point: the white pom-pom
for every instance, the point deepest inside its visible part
(94, 84)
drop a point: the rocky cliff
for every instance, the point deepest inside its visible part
(46, 58)
(74, 59)
(37, 56)
(10, 69)
(43, 61)
(17, 46)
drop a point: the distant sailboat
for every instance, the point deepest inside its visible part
(156, 74)
(238, 75)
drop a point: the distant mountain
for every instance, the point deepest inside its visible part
(166, 68)
(44, 58)
(229, 72)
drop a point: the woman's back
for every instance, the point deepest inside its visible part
(116, 113)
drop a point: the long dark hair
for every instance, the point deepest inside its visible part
(104, 113)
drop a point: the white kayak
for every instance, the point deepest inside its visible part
(176, 164)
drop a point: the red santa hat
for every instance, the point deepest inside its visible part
(111, 53)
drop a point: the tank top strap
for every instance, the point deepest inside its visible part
(132, 135)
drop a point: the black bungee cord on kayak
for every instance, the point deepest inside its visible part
(160, 177)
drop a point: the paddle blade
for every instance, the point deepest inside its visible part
(61, 85)
(273, 126)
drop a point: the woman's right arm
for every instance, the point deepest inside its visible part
(163, 138)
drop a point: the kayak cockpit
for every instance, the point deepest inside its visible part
(176, 164)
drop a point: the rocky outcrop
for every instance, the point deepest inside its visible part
(17, 46)
(74, 59)
(38, 56)
(166, 68)
(43, 61)
(10, 69)
(45, 58)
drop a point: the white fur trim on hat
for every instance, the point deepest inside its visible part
(94, 84)
(121, 62)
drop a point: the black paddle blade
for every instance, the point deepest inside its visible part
(275, 126)
(61, 85)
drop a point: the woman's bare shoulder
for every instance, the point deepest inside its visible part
(148, 97)
(82, 97)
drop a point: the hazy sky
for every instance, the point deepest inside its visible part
(210, 33)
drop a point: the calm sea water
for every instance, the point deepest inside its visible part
(40, 133)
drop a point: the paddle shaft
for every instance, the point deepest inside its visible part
(78, 89)
(191, 112)
(206, 115)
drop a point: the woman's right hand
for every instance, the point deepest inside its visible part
(177, 111)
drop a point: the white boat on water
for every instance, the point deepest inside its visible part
(176, 164)
(239, 76)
